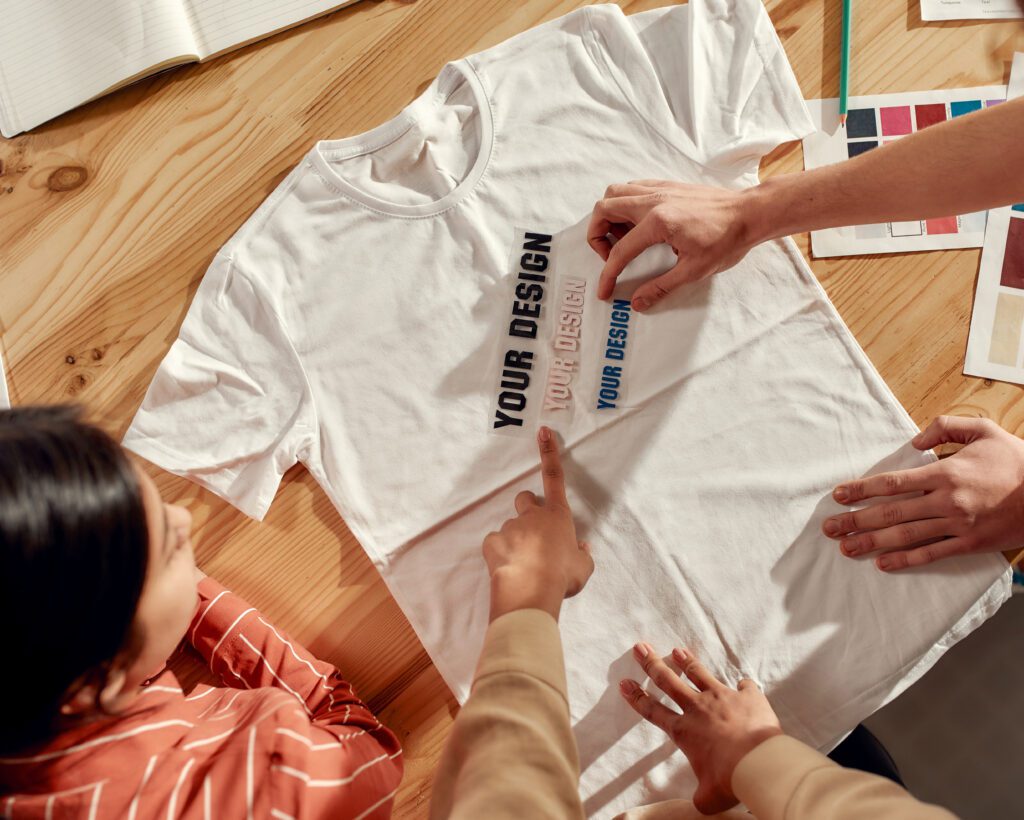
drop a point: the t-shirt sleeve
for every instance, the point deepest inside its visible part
(710, 76)
(229, 407)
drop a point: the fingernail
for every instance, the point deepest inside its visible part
(832, 527)
(917, 439)
(850, 547)
(841, 494)
(680, 655)
(628, 687)
(544, 434)
(641, 650)
(884, 562)
(640, 303)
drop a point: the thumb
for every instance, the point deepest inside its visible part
(584, 568)
(950, 429)
(652, 292)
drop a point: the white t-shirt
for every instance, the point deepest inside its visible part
(406, 307)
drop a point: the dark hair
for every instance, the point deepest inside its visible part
(74, 548)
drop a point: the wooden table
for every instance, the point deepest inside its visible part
(111, 214)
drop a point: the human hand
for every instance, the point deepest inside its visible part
(535, 560)
(718, 727)
(710, 229)
(973, 501)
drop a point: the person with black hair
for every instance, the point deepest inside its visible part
(98, 586)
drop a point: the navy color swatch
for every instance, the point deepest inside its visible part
(860, 122)
(854, 149)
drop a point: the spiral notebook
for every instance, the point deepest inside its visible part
(58, 54)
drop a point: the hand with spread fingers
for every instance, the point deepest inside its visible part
(535, 560)
(717, 727)
(706, 227)
(972, 501)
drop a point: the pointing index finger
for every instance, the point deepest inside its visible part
(551, 468)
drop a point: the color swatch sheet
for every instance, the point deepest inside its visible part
(970, 10)
(877, 120)
(994, 348)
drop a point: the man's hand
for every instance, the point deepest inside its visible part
(973, 501)
(535, 560)
(718, 727)
(709, 229)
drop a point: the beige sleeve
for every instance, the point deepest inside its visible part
(511, 752)
(783, 779)
(678, 810)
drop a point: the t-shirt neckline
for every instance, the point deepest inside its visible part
(447, 81)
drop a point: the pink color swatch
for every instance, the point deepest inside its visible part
(895, 121)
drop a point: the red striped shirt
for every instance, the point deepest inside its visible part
(286, 737)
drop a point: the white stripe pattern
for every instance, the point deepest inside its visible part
(228, 666)
(95, 807)
(341, 781)
(134, 807)
(228, 630)
(375, 806)
(89, 744)
(8, 808)
(229, 704)
(276, 677)
(212, 708)
(172, 806)
(280, 815)
(209, 691)
(199, 620)
(323, 677)
(207, 798)
(317, 747)
(203, 741)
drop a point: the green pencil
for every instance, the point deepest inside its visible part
(844, 62)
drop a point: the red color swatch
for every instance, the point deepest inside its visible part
(930, 114)
(944, 224)
(1013, 259)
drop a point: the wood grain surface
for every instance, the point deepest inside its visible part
(111, 213)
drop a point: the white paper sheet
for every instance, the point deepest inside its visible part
(5, 398)
(994, 348)
(970, 10)
(875, 120)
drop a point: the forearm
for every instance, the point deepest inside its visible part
(782, 779)
(247, 651)
(511, 752)
(960, 166)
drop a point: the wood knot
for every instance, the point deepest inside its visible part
(69, 359)
(67, 178)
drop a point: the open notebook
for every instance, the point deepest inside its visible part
(57, 54)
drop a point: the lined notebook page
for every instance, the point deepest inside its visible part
(223, 24)
(56, 54)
